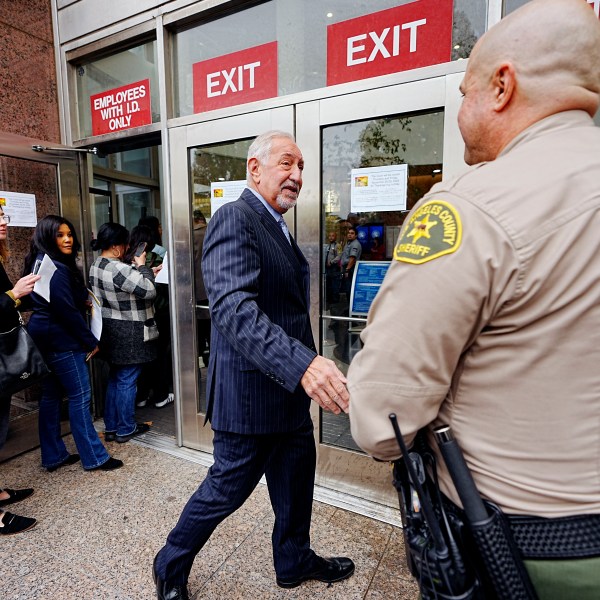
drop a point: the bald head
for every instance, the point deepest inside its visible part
(542, 59)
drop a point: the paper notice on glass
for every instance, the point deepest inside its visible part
(95, 315)
(163, 274)
(378, 189)
(45, 271)
(20, 208)
(222, 192)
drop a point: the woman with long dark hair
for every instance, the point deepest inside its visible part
(60, 331)
(10, 299)
(153, 223)
(156, 377)
(127, 293)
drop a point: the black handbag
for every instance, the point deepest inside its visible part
(21, 363)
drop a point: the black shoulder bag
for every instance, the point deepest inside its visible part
(21, 363)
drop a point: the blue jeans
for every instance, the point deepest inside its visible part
(119, 408)
(69, 375)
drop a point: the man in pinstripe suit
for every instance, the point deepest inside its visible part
(263, 372)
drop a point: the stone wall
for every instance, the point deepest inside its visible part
(29, 101)
(28, 107)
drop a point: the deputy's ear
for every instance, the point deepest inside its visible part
(504, 83)
(254, 169)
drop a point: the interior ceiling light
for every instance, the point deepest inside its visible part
(329, 15)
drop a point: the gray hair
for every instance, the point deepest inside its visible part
(261, 147)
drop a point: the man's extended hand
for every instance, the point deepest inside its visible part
(326, 385)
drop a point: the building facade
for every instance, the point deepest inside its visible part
(168, 96)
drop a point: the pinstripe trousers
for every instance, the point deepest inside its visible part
(288, 461)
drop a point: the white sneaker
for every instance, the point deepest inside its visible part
(142, 403)
(168, 400)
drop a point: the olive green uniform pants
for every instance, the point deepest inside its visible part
(575, 579)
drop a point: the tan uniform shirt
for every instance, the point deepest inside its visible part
(494, 325)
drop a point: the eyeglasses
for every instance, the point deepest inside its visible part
(4, 219)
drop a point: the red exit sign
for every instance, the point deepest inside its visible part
(397, 39)
(237, 78)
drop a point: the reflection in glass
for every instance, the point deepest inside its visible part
(300, 28)
(415, 140)
(41, 179)
(126, 187)
(209, 164)
(114, 71)
(138, 161)
(512, 5)
(100, 210)
(218, 162)
(468, 26)
(134, 203)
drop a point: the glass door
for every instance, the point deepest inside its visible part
(370, 157)
(201, 155)
(49, 183)
(406, 134)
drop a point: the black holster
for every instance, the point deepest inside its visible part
(495, 554)
(442, 569)
(482, 560)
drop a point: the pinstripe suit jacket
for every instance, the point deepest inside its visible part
(261, 340)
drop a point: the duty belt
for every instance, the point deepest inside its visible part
(562, 538)
(539, 538)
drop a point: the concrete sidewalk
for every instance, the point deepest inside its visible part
(97, 534)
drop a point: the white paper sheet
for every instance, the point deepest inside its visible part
(46, 271)
(378, 189)
(163, 274)
(95, 316)
(222, 192)
(20, 208)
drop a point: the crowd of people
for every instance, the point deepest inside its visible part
(135, 339)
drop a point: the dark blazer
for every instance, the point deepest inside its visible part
(60, 325)
(261, 341)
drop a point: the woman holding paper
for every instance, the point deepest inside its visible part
(10, 299)
(156, 377)
(60, 331)
(127, 293)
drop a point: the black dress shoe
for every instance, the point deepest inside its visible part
(70, 460)
(15, 496)
(328, 570)
(11, 524)
(109, 465)
(139, 429)
(167, 591)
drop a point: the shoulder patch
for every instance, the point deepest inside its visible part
(433, 230)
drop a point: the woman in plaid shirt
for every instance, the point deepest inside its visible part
(126, 293)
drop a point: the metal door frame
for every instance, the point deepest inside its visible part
(343, 471)
(191, 422)
(71, 187)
